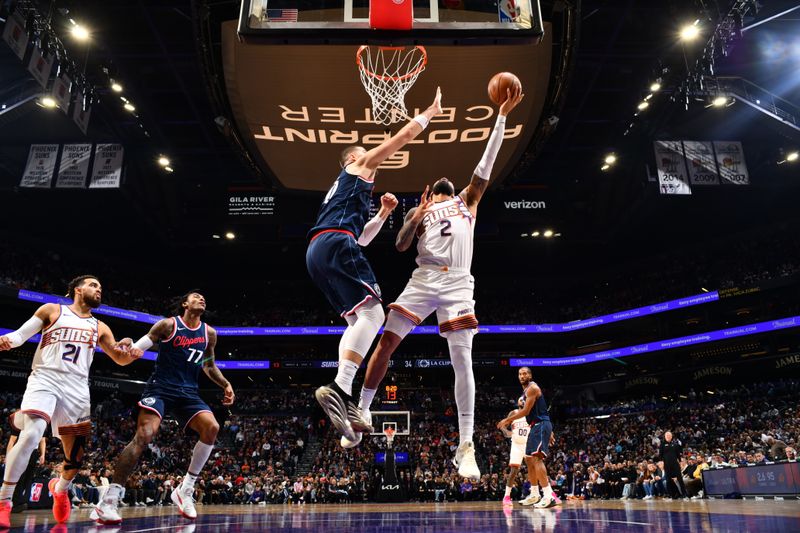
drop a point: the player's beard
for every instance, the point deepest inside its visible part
(93, 301)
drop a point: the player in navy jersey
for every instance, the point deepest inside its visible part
(338, 267)
(185, 346)
(540, 438)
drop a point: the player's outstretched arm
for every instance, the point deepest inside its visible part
(123, 352)
(373, 227)
(473, 192)
(43, 317)
(374, 157)
(412, 221)
(212, 370)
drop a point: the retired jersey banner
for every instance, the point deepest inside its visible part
(81, 115)
(40, 65)
(74, 166)
(62, 92)
(671, 164)
(730, 158)
(41, 166)
(107, 168)
(15, 36)
(701, 162)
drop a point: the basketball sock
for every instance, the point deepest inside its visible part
(7, 491)
(200, 456)
(547, 491)
(461, 357)
(345, 375)
(535, 491)
(508, 490)
(63, 484)
(17, 459)
(367, 396)
(114, 490)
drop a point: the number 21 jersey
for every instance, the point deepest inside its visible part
(67, 346)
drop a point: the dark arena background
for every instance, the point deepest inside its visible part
(638, 249)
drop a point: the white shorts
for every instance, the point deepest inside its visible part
(447, 292)
(60, 399)
(517, 453)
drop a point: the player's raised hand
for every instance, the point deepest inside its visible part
(437, 101)
(228, 395)
(513, 97)
(425, 203)
(389, 201)
(5, 343)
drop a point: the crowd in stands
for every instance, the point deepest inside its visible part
(602, 450)
(737, 262)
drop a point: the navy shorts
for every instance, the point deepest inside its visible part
(184, 405)
(338, 267)
(539, 439)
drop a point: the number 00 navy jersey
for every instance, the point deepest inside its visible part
(346, 206)
(180, 357)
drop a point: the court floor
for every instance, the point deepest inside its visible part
(734, 516)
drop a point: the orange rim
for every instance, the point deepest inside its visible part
(382, 77)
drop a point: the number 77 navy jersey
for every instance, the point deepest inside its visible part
(180, 356)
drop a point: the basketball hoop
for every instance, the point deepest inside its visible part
(387, 73)
(389, 433)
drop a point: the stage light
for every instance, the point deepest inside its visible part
(523, 235)
(605, 167)
(690, 32)
(169, 169)
(215, 236)
(535, 234)
(548, 233)
(642, 106)
(230, 235)
(610, 159)
(116, 87)
(648, 97)
(163, 161)
(47, 102)
(129, 107)
(655, 87)
(792, 157)
(719, 101)
(79, 32)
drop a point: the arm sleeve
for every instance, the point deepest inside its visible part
(26, 331)
(371, 229)
(484, 168)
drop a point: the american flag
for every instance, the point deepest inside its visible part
(281, 15)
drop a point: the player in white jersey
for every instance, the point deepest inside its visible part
(444, 224)
(519, 438)
(58, 387)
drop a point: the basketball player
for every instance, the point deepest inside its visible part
(58, 387)
(338, 267)
(519, 438)
(185, 345)
(444, 224)
(539, 440)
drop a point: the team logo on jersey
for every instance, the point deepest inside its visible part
(149, 401)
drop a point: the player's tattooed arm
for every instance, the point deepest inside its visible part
(121, 352)
(161, 330)
(212, 370)
(412, 221)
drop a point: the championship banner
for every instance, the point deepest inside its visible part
(15, 36)
(701, 162)
(672, 175)
(730, 158)
(40, 166)
(62, 92)
(40, 65)
(74, 166)
(81, 116)
(107, 168)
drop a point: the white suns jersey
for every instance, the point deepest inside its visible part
(519, 431)
(67, 346)
(446, 236)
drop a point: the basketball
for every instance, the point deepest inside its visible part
(498, 85)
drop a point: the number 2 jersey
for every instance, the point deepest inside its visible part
(67, 346)
(446, 236)
(180, 357)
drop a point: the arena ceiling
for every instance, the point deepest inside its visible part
(155, 49)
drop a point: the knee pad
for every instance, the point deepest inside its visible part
(398, 324)
(359, 336)
(371, 311)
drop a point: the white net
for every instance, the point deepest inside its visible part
(387, 74)
(389, 433)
